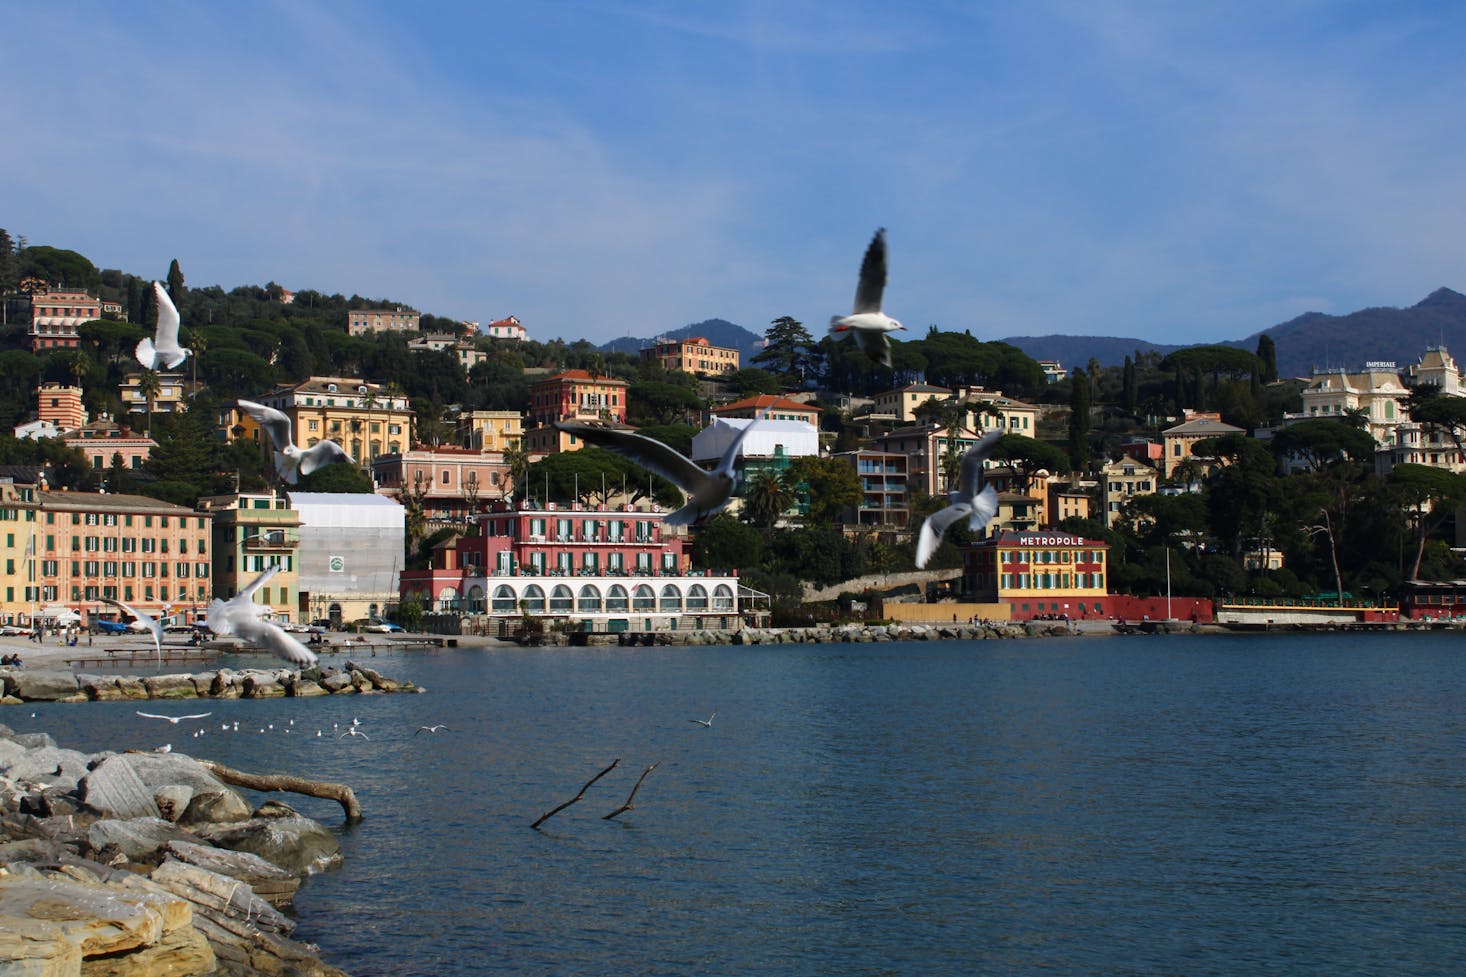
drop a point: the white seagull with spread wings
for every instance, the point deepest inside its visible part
(707, 492)
(292, 461)
(971, 498)
(142, 622)
(867, 321)
(175, 720)
(163, 347)
(240, 615)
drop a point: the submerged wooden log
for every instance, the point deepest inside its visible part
(340, 793)
(632, 796)
(545, 817)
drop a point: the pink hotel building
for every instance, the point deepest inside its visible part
(598, 569)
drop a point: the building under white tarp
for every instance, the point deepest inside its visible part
(351, 548)
(770, 439)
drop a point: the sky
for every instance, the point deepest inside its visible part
(1175, 172)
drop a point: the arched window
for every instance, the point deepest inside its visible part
(590, 598)
(475, 600)
(616, 598)
(504, 599)
(671, 599)
(644, 598)
(697, 598)
(722, 598)
(448, 598)
(561, 599)
(534, 598)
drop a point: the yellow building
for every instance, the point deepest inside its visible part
(362, 321)
(169, 398)
(693, 355)
(1179, 440)
(17, 523)
(364, 418)
(253, 532)
(490, 430)
(1044, 574)
(900, 404)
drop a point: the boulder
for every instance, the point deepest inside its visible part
(170, 687)
(172, 801)
(298, 845)
(268, 881)
(306, 688)
(262, 687)
(338, 682)
(137, 839)
(211, 801)
(114, 788)
(48, 764)
(131, 688)
(100, 688)
(41, 685)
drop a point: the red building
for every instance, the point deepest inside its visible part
(573, 395)
(598, 569)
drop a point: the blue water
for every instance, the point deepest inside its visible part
(1146, 805)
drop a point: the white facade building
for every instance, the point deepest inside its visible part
(350, 555)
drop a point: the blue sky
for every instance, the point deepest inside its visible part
(1178, 172)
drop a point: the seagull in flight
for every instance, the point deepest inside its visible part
(175, 720)
(430, 729)
(869, 324)
(971, 498)
(240, 615)
(142, 622)
(353, 731)
(163, 347)
(708, 722)
(707, 492)
(292, 461)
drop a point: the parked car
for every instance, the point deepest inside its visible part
(13, 630)
(383, 627)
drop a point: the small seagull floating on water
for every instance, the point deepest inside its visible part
(704, 722)
(175, 720)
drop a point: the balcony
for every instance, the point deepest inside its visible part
(271, 541)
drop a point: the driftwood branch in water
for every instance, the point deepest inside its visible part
(632, 796)
(340, 793)
(547, 816)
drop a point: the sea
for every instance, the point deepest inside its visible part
(1129, 805)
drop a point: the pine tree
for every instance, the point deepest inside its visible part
(788, 350)
(9, 267)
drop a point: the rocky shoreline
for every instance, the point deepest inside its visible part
(23, 685)
(143, 863)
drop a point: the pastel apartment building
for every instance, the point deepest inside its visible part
(55, 315)
(453, 483)
(360, 322)
(104, 440)
(694, 355)
(572, 395)
(153, 555)
(506, 328)
(364, 418)
(253, 532)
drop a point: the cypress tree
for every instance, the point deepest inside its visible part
(175, 283)
(1079, 399)
(1130, 394)
(1267, 351)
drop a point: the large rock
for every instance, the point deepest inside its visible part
(52, 924)
(212, 800)
(268, 880)
(336, 682)
(170, 687)
(296, 844)
(100, 688)
(137, 840)
(42, 685)
(49, 765)
(114, 788)
(131, 688)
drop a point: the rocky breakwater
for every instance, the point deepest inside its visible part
(63, 685)
(139, 864)
(826, 634)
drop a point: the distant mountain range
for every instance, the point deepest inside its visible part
(1311, 340)
(719, 332)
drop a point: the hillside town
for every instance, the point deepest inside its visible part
(1168, 488)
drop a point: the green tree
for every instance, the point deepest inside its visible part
(1130, 397)
(1433, 495)
(1319, 442)
(1079, 421)
(1029, 456)
(175, 283)
(1267, 355)
(830, 485)
(725, 543)
(787, 353)
(149, 388)
(59, 267)
(750, 381)
(766, 497)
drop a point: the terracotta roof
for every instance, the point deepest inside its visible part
(583, 376)
(766, 402)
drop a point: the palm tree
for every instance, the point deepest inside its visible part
(196, 345)
(149, 387)
(517, 458)
(766, 497)
(78, 363)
